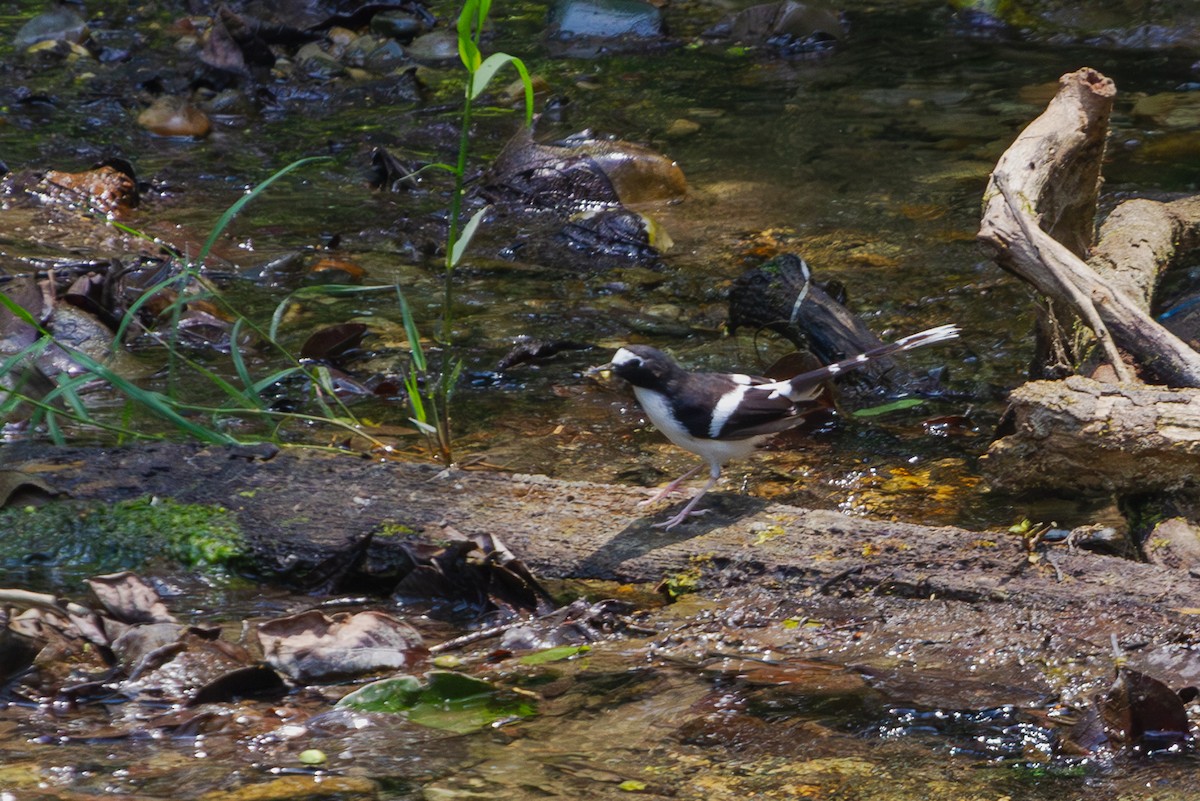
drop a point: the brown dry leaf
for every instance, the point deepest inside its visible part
(312, 645)
(105, 189)
(129, 599)
(1140, 710)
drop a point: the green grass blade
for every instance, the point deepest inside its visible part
(153, 401)
(272, 332)
(410, 330)
(233, 210)
(274, 378)
(239, 364)
(147, 295)
(20, 311)
(893, 406)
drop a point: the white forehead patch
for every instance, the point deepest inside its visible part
(623, 356)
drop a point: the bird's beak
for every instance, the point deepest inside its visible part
(592, 372)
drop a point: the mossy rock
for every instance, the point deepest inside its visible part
(120, 536)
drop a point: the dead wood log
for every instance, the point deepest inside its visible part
(1140, 240)
(1037, 218)
(781, 296)
(1081, 435)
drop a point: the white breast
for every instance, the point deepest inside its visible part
(713, 451)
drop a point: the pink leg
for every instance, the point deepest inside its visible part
(687, 510)
(674, 485)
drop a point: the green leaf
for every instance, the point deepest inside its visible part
(488, 69)
(554, 654)
(468, 50)
(468, 232)
(274, 378)
(894, 406)
(239, 365)
(446, 700)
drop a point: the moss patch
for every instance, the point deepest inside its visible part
(120, 536)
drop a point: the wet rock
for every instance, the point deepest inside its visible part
(55, 50)
(605, 19)
(316, 63)
(638, 173)
(310, 788)
(796, 28)
(1172, 110)
(583, 168)
(175, 116)
(438, 47)
(58, 25)
(340, 39)
(618, 233)
(375, 54)
(1174, 542)
(1105, 22)
(397, 25)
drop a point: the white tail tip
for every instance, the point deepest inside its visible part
(929, 336)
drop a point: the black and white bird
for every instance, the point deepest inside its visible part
(725, 416)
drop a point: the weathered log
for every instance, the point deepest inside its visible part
(936, 596)
(1139, 242)
(781, 296)
(298, 508)
(1037, 217)
(1080, 435)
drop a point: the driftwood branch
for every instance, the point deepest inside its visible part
(1080, 435)
(1037, 218)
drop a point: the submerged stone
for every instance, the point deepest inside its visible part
(59, 25)
(434, 48)
(605, 19)
(175, 116)
(638, 173)
(790, 27)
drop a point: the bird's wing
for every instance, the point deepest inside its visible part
(759, 411)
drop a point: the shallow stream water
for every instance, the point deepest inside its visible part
(870, 162)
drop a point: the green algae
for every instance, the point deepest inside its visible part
(120, 536)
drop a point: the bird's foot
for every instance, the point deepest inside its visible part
(679, 518)
(672, 487)
(658, 496)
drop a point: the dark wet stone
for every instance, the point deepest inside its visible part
(790, 27)
(605, 19)
(397, 25)
(388, 55)
(59, 25)
(316, 63)
(616, 233)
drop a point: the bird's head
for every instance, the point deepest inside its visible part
(641, 365)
